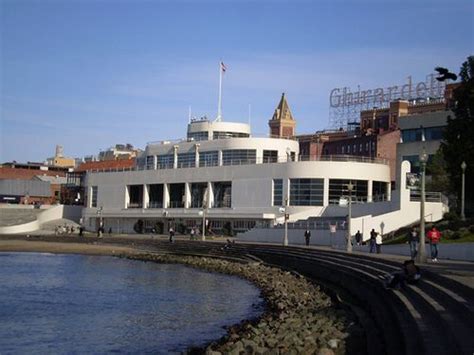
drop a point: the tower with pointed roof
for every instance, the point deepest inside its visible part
(282, 123)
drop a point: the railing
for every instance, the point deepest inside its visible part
(182, 140)
(135, 205)
(415, 196)
(175, 204)
(360, 199)
(155, 205)
(261, 160)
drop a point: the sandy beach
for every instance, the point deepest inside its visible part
(62, 248)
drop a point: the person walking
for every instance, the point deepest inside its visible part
(307, 236)
(193, 232)
(171, 235)
(434, 237)
(373, 236)
(413, 241)
(358, 237)
(378, 243)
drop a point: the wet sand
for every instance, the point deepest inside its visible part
(63, 248)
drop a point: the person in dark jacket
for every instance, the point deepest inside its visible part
(307, 236)
(413, 241)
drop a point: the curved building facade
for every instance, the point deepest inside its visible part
(224, 175)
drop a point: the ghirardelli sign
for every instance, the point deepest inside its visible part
(379, 97)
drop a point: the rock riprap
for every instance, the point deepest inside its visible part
(299, 317)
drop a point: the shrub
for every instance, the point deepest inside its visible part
(456, 235)
(471, 229)
(451, 216)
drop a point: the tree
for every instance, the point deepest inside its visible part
(436, 169)
(458, 145)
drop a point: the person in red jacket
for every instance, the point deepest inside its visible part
(434, 236)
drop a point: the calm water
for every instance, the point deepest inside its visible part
(92, 304)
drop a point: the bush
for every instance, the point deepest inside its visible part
(456, 235)
(451, 216)
(471, 229)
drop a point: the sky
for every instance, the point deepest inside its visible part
(88, 74)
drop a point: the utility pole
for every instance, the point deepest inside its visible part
(350, 187)
(463, 189)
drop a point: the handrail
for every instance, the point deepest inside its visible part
(256, 161)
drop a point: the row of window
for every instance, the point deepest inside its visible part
(204, 136)
(422, 134)
(211, 158)
(303, 192)
(199, 195)
(310, 192)
(357, 148)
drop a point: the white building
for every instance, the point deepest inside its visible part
(222, 174)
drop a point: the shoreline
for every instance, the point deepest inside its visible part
(298, 316)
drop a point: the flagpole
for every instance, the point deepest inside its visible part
(219, 106)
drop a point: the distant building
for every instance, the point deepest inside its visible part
(379, 132)
(59, 160)
(119, 152)
(282, 124)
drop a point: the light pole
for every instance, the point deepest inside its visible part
(421, 256)
(284, 209)
(463, 189)
(99, 214)
(350, 187)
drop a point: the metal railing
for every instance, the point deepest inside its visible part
(261, 160)
(415, 196)
(135, 205)
(155, 205)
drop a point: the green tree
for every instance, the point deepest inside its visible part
(458, 145)
(436, 169)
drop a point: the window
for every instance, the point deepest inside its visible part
(165, 161)
(222, 194)
(135, 192)
(239, 156)
(198, 194)
(434, 133)
(338, 188)
(155, 193)
(360, 148)
(306, 192)
(94, 196)
(412, 135)
(176, 192)
(198, 136)
(270, 156)
(224, 135)
(277, 192)
(187, 160)
(208, 158)
(379, 191)
(150, 162)
(343, 150)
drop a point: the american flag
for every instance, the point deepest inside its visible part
(223, 67)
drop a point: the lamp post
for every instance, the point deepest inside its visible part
(284, 210)
(99, 214)
(350, 187)
(421, 256)
(463, 189)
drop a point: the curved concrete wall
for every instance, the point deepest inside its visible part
(48, 215)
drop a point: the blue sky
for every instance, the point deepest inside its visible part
(88, 74)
